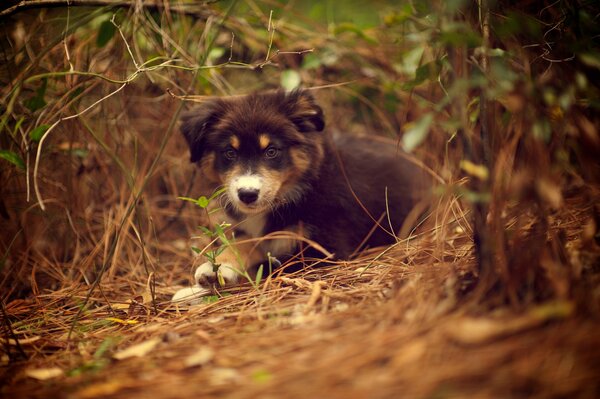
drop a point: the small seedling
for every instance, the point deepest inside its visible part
(218, 233)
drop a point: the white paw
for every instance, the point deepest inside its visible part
(205, 275)
(190, 295)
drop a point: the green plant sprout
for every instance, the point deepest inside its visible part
(218, 233)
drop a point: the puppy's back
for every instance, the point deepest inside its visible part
(367, 176)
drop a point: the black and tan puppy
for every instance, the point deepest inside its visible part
(282, 173)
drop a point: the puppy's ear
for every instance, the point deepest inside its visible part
(304, 112)
(196, 125)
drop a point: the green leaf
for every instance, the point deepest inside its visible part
(202, 202)
(105, 345)
(590, 59)
(105, 33)
(196, 250)
(290, 79)
(210, 299)
(416, 133)
(215, 53)
(475, 197)
(220, 279)
(262, 376)
(37, 133)
(206, 231)
(217, 193)
(311, 61)
(350, 27)
(219, 230)
(13, 158)
(18, 125)
(259, 275)
(429, 71)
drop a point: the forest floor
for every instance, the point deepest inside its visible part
(398, 324)
(409, 321)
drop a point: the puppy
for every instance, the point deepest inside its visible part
(281, 173)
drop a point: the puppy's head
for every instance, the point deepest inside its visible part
(263, 147)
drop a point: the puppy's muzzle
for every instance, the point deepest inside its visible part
(248, 195)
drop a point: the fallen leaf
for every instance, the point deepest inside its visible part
(481, 330)
(137, 350)
(215, 319)
(199, 358)
(147, 294)
(476, 331)
(21, 341)
(223, 375)
(44, 374)
(100, 390)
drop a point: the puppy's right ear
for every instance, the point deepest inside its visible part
(196, 125)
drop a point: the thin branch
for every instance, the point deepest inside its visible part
(198, 10)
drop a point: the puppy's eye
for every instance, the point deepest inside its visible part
(271, 152)
(230, 154)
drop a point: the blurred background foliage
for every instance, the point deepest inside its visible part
(499, 99)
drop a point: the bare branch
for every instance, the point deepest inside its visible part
(197, 10)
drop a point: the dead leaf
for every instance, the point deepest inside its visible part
(21, 341)
(477, 331)
(100, 390)
(223, 375)
(44, 374)
(199, 358)
(147, 294)
(138, 350)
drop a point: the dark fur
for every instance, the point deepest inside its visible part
(323, 202)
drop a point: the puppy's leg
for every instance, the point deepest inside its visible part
(234, 261)
(190, 295)
(230, 265)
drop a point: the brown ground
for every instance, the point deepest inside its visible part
(404, 327)
(408, 322)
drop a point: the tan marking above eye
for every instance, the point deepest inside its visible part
(263, 141)
(235, 142)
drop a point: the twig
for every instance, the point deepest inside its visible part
(194, 10)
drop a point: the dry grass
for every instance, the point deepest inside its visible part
(87, 280)
(404, 326)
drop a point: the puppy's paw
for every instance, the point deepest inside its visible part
(190, 295)
(206, 276)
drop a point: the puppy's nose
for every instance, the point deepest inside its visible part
(248, 195)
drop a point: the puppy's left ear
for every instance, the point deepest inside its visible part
(197, 123)
(304, 112)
